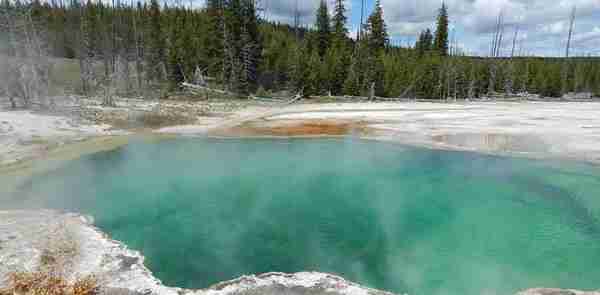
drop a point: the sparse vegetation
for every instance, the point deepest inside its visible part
(45, 283)
(54, 273)
(162, 119)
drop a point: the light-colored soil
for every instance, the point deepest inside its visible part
(566, 130)
(533, 129)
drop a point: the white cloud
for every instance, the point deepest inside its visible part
(543, 24)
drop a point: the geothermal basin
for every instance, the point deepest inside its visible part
(388, 216)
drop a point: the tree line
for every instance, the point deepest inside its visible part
(149, 48)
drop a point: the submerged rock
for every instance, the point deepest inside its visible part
(27, 237)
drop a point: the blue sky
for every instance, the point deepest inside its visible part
(543, 24)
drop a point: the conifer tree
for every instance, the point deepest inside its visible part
(377, 30)
(176, 71)
(214, 37)
(428, 40)
(323, 28)
(339, 52)
(155, 51)
(424, 43)
(340, 20)
(314, 84)
(441, 33)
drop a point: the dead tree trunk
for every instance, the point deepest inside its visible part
(139, 68)
(571, 26)
(566, 65)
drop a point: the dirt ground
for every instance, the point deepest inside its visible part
(568, 130)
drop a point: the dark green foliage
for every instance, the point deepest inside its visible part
(340, 20)
(352, 82)
(441, 33)
(156, 47)
(425, 43)
(377, 30)
(235, 50)
(323, 28)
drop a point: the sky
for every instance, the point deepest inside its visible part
(543, 25)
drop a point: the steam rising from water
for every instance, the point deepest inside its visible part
(407, 220)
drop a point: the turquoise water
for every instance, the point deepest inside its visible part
(391, 217)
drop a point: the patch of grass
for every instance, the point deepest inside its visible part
(158, 119)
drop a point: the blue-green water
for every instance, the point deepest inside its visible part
(402, 219)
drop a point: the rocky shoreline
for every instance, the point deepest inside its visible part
(24, 235)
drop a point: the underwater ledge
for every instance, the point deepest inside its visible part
(24, 235)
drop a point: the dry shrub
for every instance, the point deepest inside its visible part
(37, 283)
(43, 283)
(86, 286)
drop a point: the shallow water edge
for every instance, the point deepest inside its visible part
(122, 270)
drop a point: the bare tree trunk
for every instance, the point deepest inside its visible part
(138, 53)
(571, 26)
(497, 36)
(514, 43)
(566, 65)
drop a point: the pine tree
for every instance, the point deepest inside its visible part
(176, 71)
(214, 37)
(155, 52)
(314, 85)
(428, 40)
(378, 74)
(441, 34)
(323, 28)
(340, 20)
(377, 30)
(423, 44)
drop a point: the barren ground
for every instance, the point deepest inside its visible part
(534, 129)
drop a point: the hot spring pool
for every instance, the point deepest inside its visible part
(402, 219)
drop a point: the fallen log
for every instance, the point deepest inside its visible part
(195, 87)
